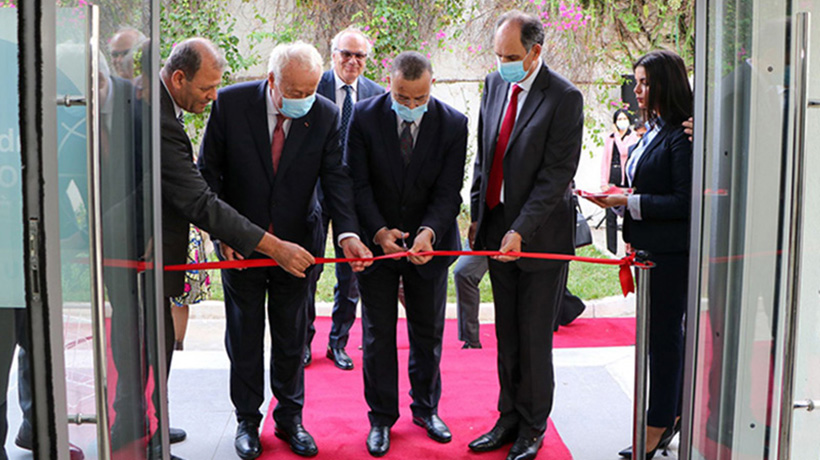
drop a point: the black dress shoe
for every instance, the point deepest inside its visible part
(666, 438)
(247, 443)
(436, 429)
(340, 358)
(493, 439)
(307, 358)
(176, 435)
(301, 442)
(525, 448)
(378, 440)
(470, 345)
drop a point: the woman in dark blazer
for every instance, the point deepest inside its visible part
(656, 219)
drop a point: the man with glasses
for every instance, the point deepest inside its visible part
(345, 85)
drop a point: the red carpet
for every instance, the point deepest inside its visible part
(336, 413)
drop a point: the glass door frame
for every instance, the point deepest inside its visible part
(41, 246)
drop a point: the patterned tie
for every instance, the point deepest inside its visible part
(181, 119)
(497, 169)
(347, 109)
(406, 142)
(278, 141)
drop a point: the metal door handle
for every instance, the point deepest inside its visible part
(69, 100)
(808, 404)
(814, 104)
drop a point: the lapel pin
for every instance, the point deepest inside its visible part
(307, 124)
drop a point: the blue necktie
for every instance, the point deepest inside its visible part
(347, 109)
(406, 142)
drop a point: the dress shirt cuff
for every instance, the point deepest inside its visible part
(633, 205)
(347, 235)
(431, 231)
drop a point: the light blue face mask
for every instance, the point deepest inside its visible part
(511, 72)
(406, 113)
(297, 108)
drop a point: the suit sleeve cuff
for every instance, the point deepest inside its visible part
(346, 235)
(431, 231)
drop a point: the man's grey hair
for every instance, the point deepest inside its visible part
(300, 52)
(138, 36)
(187, 57)
(334, 43)
(411, 65)
(532, 30)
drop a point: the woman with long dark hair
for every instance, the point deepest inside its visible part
(656, 219)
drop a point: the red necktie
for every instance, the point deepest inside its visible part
(278, 141)
(497, 169)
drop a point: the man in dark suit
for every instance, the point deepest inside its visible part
(189, 79)
(266, 145)
(529, 143)
(344, 84)
(406, 151)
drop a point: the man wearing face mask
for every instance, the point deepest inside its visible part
(406, 151)
(266, 145)
(529, 144)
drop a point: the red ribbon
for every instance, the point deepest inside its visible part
(624, 274)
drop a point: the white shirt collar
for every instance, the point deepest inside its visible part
(526, 83)
(340, 83)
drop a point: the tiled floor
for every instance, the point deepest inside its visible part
(592, 410)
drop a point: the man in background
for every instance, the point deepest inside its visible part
(345, 85)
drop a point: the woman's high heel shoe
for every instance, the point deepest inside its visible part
(666, 439)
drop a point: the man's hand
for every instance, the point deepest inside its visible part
(422, 243)
(228, 253)
(386, 238)
(471, 232)
(510, 242)
(293, 258)
(689, 127)
(353, 248)
(609, 201)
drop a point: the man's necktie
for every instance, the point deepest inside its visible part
(406, 142)
(497, 169)
(278, 141)
(181, 119)
(347, 109)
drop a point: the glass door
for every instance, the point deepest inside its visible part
(95, 148)
(749, 232)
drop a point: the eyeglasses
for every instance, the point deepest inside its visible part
(346, 55)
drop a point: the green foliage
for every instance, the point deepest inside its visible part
(181, 19)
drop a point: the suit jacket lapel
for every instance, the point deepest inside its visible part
(650, 149)
(531, 103)
(327, 86)
(428, 131)
(391, 150)
(258, 122)
(493, 122)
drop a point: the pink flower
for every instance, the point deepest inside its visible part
(441, 34)
(384, 19)
(470, 48)
(479, 48)
(429, 55)
(366, 28)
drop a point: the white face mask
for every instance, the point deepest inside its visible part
(622, 125)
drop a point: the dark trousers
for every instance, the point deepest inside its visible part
(611, 231)
(668, 286)
(525, 304)
(425, 303)
(287, 296)
(345, 298)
